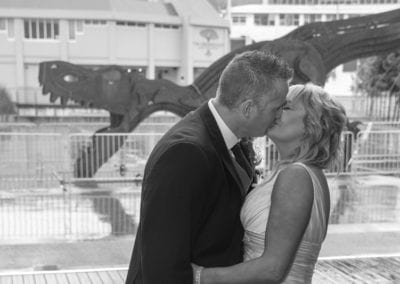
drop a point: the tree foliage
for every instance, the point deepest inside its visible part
(379, 75)
(379, 79)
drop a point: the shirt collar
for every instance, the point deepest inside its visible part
(229, 137)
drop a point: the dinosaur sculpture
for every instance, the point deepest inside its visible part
(312, 50)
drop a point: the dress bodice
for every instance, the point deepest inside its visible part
(254, 217)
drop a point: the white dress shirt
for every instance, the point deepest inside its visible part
(229, 137)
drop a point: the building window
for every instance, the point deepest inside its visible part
(75, 28)
(41, 29)
(264, 20)
(165, 26)
(289, 19)
(79, 26)
(7, 26)
(330, 17)
(72, 31)
(311, 18)
(131, 24)
(10, 28)
(296, 2)
(3, 25)
(95, 22)
(354, 16)
(239, 20)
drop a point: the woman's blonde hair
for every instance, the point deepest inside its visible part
(324, 122)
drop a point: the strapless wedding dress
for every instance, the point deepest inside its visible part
(254, 217)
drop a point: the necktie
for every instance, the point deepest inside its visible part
(243, 167)
(241, 159)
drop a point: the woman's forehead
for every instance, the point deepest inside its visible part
(293, 97)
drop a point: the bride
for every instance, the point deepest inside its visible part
(286, 217)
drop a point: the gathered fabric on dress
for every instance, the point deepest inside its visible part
(254, 217)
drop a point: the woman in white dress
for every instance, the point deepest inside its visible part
(285, 218)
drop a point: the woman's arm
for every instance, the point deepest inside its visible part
(291, 204)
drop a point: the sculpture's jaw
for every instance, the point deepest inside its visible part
(105, 88)
(130, 98)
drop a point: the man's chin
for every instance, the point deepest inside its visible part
(270, 132)
(270, 128)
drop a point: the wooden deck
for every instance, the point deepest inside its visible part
(382, 269)
(385, 269)
(86, 276)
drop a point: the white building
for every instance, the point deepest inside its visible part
(272, 19)
(174, 39)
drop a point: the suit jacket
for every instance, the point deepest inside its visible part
(190, 208)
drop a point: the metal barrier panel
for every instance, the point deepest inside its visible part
(378, 152)
(44, 160)
(383, 125)
(33, 161)
(110, 155)
(37, 217)
(372, 152)
(347, 148)
(37, 160)
(9, 127)
(29, 160)
(78, 127)
(356, 106)
(90, 214)
(364, 199)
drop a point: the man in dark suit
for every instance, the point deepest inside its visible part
(196, 178)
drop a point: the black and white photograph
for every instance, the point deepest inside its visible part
(200, 141)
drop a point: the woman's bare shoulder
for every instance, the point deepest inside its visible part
(295, 172)
(294, 182)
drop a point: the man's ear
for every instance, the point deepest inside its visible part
(246, 107)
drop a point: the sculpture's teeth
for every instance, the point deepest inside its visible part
(64, 101)
(53, 97)
(45, 91)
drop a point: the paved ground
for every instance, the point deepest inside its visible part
(342, 240)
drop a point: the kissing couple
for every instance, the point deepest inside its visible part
(204, 218)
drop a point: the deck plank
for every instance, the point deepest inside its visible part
(115, 276)
(73, 278)
(328, 271)
(39, 279)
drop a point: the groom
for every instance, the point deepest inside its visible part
(197, 176)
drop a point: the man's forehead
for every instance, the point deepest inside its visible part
(281, 88)
(277, 101)
(280, 95)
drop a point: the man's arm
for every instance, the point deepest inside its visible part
(172, 201)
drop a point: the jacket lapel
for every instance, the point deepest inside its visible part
(218, 141)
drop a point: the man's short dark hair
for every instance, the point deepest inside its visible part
(248, 74)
